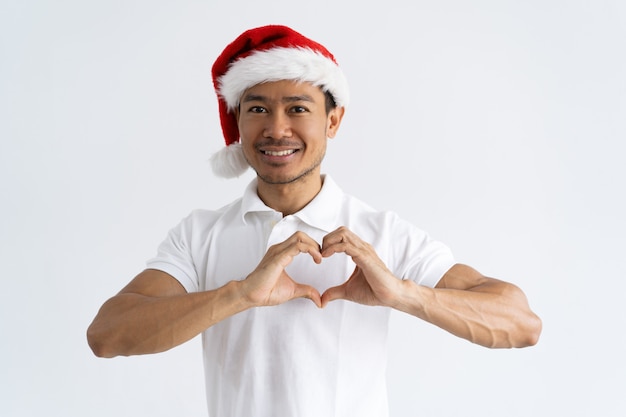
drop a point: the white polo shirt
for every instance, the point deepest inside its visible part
(296, 359)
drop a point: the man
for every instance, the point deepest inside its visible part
(291, 286)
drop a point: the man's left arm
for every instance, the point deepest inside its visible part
(483, 310)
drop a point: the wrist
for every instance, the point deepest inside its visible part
(245, 294)
(409, 297)
(240, 294)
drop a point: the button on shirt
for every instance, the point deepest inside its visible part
(296, 359)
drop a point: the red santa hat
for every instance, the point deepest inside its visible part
(265, 54)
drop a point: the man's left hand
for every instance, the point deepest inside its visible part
(371, 283)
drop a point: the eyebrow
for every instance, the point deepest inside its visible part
(287, 99)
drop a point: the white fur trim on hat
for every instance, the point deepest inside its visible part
(298, 64)
(229, 162)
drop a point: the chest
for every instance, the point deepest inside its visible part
(231, 253)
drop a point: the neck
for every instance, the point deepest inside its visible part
(292, 197)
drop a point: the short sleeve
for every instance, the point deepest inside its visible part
(174, 256)
(419, 257)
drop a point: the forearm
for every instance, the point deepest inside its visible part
(133, 324)
(495, 315)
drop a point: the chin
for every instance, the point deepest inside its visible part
(285, 178)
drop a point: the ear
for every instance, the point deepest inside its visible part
(334, 121)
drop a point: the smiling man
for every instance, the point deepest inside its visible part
(291, 286)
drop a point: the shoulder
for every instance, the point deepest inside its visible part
(202, 220)
(363, 214)
(371, 223)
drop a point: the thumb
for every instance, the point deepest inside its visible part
(334, 293)
(306, 291)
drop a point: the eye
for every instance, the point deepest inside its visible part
(257, 109)
(298, 109)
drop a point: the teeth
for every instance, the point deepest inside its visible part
(279, 153)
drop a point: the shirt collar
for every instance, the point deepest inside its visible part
(323, 210)
(320, 213)
(251, 203)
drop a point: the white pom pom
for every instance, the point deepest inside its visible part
(229, 162)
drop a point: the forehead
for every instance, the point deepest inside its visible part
(278, 90)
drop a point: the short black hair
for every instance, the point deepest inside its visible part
(330, 101)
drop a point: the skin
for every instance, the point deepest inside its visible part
(284, 129)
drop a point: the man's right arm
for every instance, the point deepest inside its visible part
(154, 313)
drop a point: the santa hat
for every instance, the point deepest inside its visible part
(265, 54)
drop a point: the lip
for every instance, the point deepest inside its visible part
(278, 152)
(275, 155)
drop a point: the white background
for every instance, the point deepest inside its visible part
(496, 126)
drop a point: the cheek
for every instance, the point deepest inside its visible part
(247, 129)
(314, 128)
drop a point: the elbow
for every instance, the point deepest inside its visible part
(527, 325)
(534, 331)
(99, 343)
(529, 331)
(519, 333)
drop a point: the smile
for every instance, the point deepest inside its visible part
(279, 153)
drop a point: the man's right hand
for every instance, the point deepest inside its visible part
(269, 284)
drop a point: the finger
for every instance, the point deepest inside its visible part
(305, 244)
(334, 293)
(311, 249)
(354, 249)
(340, 240)
(284, 252)
(336, 244)
(338, 235)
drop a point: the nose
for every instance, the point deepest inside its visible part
(278, 126)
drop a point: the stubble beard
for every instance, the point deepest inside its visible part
(288, 180)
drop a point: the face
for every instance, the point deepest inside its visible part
(284, 128)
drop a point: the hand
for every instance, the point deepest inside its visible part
(269, 284)
(371, 283)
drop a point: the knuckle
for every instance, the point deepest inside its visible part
(343, 229)
(299, 236)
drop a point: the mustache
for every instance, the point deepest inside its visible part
(277, 142)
